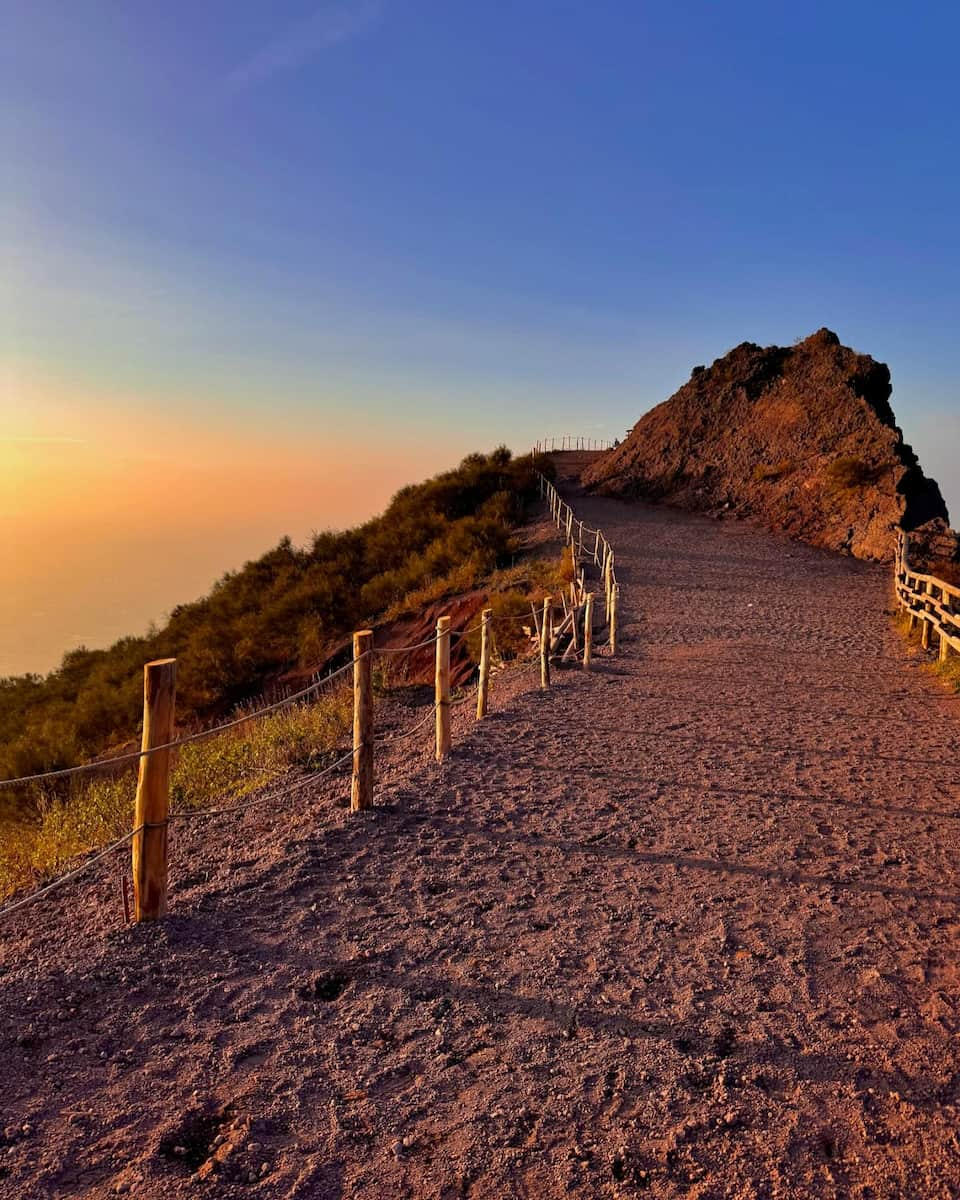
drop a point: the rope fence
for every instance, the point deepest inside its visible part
(561, 630)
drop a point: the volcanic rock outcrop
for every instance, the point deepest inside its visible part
(802, 438)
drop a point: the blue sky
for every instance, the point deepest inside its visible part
(484, 206)
(461, 223)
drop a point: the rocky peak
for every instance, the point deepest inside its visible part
(802, 437)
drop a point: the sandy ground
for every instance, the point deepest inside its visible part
(687, 926)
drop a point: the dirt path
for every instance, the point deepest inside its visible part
(687, 926)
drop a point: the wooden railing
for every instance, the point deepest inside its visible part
(926, 599)
(570, 441)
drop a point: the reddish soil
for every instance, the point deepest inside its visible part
(685, 926)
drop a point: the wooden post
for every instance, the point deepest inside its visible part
(588, 633)
(925, 635)
(614, 606)
(153, 792)
(546, 633)
(361, 786)
(442, 688)
(486, 623)
(944, 646)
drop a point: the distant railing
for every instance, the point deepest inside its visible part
(574, 629)
(569, 441)
(929, 600)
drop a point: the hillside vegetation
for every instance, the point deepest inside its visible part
(285, 609)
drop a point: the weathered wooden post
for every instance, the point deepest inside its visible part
(588, 633)
(614, 606)
(947, 605)
(153, 791)
(442, 688)
(925, 634)
(361, 786)
(486, 630)
(546, 633)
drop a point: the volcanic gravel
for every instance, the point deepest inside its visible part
(684, 926)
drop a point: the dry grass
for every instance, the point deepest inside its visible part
(767, 472)
(98, 810)
(948, 671)
(848, 475)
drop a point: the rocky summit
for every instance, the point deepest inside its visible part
(802, 438)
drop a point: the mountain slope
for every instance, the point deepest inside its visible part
(802, 437)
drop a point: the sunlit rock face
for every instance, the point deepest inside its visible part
(802, 438)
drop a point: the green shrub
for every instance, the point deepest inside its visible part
(286, 608)
(848, 475)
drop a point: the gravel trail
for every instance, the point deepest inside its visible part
(685, 926)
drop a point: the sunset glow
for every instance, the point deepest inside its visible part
(292, 258)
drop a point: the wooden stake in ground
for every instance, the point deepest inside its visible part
(925, 635)
(588, 633)
(947, 605)
(361, 786)
(153, 792)
(442, 688)
(614, 606)
(546, 636)
(486, 633)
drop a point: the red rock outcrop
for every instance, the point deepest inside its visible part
(802, 438)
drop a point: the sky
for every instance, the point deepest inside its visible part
(263, 263)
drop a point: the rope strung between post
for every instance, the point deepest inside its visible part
(64, 879)
(278, 794)
(563, 514)
(104, 763)
(429, 716)
(183, 815)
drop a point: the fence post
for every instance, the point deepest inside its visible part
(153, 792)
(944, 645)
(614, 606)
(925, 634)
(442, 688)
(545, 639)
(486, 621)
(361, 786)
(588, 633)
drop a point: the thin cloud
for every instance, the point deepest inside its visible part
(34, 441)
(330, 26)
